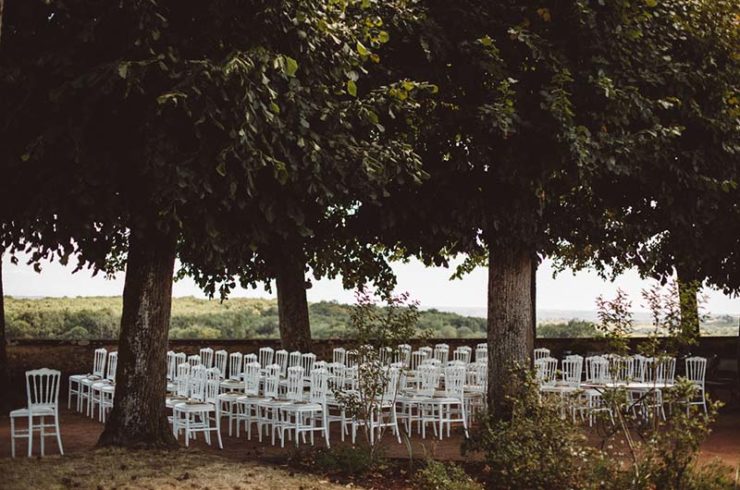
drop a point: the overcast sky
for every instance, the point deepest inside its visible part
(430, 286)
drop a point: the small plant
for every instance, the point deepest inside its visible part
(377, 332)
(347, 460)
(444, 476)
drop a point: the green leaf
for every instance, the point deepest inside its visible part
(651, 3)
(362, 49)
(352, 88)
(123, 70)
(274, 108)
(383, 37)
(291, 66)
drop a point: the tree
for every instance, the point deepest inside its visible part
(527, 122)
(141, 131)
(680, 215)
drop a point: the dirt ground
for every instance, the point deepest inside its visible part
(261, 464)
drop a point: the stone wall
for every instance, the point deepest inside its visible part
(74, 357)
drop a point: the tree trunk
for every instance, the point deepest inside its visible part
(533, 295)
(295, 328)
(510, 335)
(4, 386)
(688, 289)
(138, 418)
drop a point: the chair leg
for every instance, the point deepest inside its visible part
(30, 435)
(12, 437)
(58, 433)
(42, 431)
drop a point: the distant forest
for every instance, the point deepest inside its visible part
(239, 318)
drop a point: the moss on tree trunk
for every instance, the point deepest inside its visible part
(510, 333)
(138, 418)
(295, 328)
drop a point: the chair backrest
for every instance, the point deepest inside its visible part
(541, 353)
(403, 354)
(351, 358)
(272, 380)
(295, 383)
(194, 360)
(442, 353)
(417, 357)
(620, 368)
(433, 362)
(455, 381)
(385, 355)
(392, 375)
(281, 359)
(351, 376)
(546, 368)
(171, 365)
(339, 355)
(480, 375)
(42, 387)
(265, 356)
(696, 370)
(294, 359)
(252, 377)
(572, 369)
(236, 360)
(212, 387)
(213, 373)
(429, 351)
(429, 376)
(182, 379)
(99, 362)
(665, 369)
(221, 357)
(250, 358)
(206, 357)
(319, 386)
(463, 353)
(307, 361)
(197, 384)
(481, 352)
(597, 369)
(336, 372)
(638, 367)
(110, 373)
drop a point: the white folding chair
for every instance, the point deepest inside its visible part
(75, 381)
(206, 357)
(696, 370)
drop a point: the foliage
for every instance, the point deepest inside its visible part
(536, 447)
(615, 320)
(573, 329)
(377, 330)
(348, 460)
(444, 476)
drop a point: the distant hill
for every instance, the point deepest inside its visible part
(239, 318)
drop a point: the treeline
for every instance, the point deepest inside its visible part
(238, 318)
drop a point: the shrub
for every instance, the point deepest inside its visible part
(441, 476)
(347, 460)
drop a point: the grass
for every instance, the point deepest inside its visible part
(122, 469)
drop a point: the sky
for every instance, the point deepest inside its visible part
(432, 287)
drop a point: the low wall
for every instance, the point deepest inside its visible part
(74, 357)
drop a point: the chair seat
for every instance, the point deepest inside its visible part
(230, 397)
(36, 411)
(78, 377)
(89, 380)
(108, 388)
(303, 407)
(98, 385)
(194, 407)
(232, 383)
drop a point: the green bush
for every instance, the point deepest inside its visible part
(444, 476)
(347, 460)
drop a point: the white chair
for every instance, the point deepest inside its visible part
(452, 402)
(42, 391)
(294, 359)
(403, 355)
(339, 355)
(221, 358)
(299, 417)
(266, 406)
(481, 352)
(104, 387)
(235, 365)
(417, 358)
(352, 358)
(541, 352)
(76, 380)
(206, 357)
(442, 353)
(463, 353)
(696, 370)
(281, 359)
(414, 406)
(546, 370)
(250, 358)
(307, 362)
(385, 355)
(598, 374)
(194, 415)
(265, 356)
(246, 405)
(194, 360)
